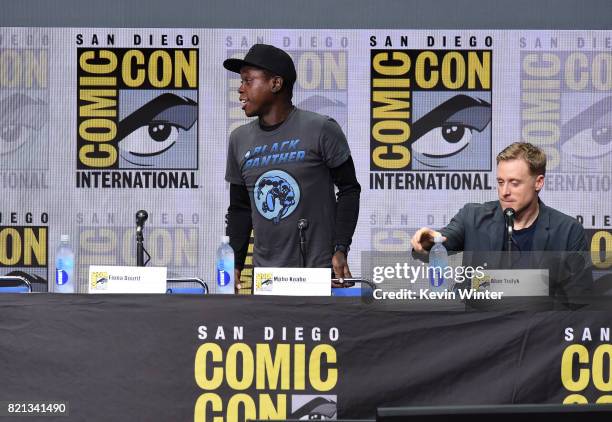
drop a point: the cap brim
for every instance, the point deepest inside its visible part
(234, 65)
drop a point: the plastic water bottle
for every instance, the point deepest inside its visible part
(64, 266)
(225, 267)
(438, 261)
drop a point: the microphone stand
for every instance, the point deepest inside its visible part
(302, 225)
(509, 214)
(302, 247)
(139, 247)
(509, 230)
(141, 217)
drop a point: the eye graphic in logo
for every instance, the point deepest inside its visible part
(155, 128)
(318, 408)
(445, 136)
(20, 117)
(277, 195)
(38, 283)
(586, 139)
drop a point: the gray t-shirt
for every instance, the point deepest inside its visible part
(286, 172)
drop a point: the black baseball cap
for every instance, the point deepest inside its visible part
(265, 57)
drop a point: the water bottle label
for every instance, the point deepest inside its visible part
(435, 277)
(61, 277)
(223, 278)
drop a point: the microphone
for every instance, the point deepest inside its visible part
(141, 217)
(509, 217)
(302, 225)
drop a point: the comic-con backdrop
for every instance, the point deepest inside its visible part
(97, 124)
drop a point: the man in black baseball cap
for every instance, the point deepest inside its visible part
(282, 169)
(268, 74)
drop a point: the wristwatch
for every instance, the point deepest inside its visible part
(342, 248)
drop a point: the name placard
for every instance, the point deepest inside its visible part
(111, 279)
(292, 281)
(515, 282)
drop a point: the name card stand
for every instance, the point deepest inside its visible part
(273, 281)
(116, 279)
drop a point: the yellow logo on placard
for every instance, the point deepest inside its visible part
(263, 281)
(99, 280)
(481, 282)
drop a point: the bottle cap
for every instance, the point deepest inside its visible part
(225, 239)
(438, 239)
(64, 238)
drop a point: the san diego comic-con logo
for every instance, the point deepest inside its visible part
(277, 195)
(137, 118)
(99, 280)
(585, 363)
(24, 116)
(264, 281)
(24, 245)
(566, 109)
(278, 376)
(430, 112)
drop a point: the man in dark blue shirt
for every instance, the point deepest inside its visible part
(521, 169)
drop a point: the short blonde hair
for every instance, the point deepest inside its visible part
(532, 155)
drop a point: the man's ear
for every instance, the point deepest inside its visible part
(277, 84)
(539, 182)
